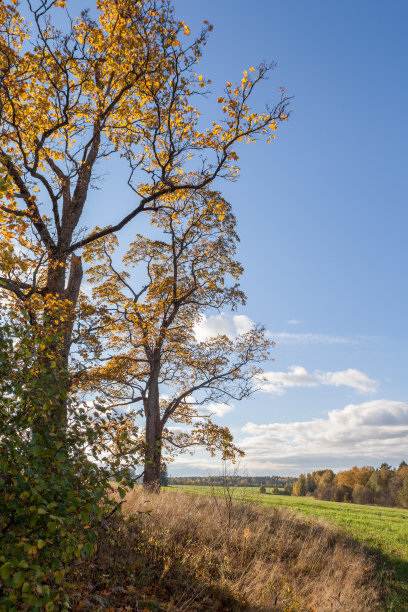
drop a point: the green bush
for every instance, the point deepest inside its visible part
(54, 483)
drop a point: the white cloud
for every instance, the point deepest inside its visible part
(219, 409)
(294, 338)
(242, 323)
(298, 376)
(349, 378)
(369, 432)
(222, 323)
(294, 322)
(278, 382)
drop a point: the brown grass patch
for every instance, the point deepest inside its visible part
(189, 553)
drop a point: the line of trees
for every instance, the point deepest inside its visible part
(237, 481)
(385, 486)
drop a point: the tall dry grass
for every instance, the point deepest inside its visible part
(192, 553)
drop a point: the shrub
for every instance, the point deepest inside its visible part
(52, 490)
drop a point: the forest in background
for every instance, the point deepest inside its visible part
(385, 486)
(234, 481)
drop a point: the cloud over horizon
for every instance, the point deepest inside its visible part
(361, 433)
(358, 431)
(358, 434)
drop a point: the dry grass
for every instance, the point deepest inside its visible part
(192, 553)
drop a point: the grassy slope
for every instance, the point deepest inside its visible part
(244, 556)
(384, 529)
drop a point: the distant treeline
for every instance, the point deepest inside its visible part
(385, 485)
(234, 481)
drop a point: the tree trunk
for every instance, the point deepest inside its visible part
(60, 327)
(153, 444)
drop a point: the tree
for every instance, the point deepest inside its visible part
(149, 331)
(379, 483)
(125, 85)
(403, 492)
(299, 487)
(310, 483)
(287, 489)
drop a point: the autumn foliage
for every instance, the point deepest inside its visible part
(118, 83)
(366, 485)
(124, 85)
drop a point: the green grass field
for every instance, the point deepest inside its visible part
(383, 529)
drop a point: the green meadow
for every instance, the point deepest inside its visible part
(382, 529)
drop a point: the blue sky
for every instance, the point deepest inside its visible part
(322, 216)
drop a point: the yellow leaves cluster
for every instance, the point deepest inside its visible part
(144, 114)
(209, 226)
(6, 233)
